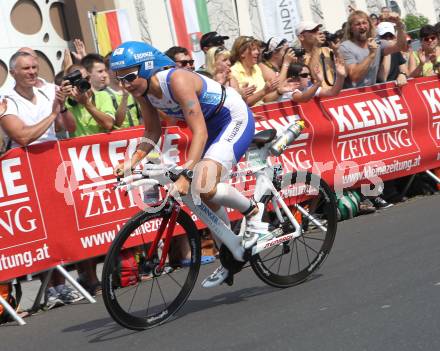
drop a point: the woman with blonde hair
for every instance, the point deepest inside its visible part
(218, 66)
(245, 55)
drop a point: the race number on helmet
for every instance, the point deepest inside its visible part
(136, 53)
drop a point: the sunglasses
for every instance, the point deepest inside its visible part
(304, 75)
(387, 36)
(129, 78)
(184, 63)
(219, 50)
(430, 38)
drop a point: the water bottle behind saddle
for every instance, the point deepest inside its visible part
(287, 137)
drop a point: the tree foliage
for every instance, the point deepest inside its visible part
(414, 23)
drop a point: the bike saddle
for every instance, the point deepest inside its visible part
(266, 136)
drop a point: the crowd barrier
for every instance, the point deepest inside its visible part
(58, 205)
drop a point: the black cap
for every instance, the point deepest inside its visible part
(212, 39)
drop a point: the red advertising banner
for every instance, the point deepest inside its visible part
(58, 204)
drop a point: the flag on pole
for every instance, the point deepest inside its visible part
(190, 21)
(112, 29)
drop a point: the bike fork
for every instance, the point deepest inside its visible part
(171, 222)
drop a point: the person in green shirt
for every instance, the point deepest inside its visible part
(127, 111)
(93, 110)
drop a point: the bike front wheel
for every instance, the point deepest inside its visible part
(136, 293)
(313, 204)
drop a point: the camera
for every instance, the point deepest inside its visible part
(76, 80)
(299, 52)
(329, 38)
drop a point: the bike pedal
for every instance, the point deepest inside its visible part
(247, 254)
(230, 280)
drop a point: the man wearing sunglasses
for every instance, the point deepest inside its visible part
(393, 67)
(423, 63)
(222, 128)
(181, 57)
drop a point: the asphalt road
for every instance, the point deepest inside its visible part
(378, 290)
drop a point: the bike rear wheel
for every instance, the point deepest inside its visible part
(137, 295)
(293, 261)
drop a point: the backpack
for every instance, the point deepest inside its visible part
(127, 272)
(12, 294)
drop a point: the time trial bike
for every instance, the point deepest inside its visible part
(301, 211)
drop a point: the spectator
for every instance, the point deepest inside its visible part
(30, 115)
(299, 87)
(28, 118)
(425, 61)
(374, 19)
(437, 29)
(393, 67)
(127, 111)
(385, 12)
(181, 57)
(97, 72)
(207, 41)
(78, 54)
(210, 39)
(64, 120)
(244, 57)
(277, 56)
(361, 52)
(218, 66)
(312, 40)
(93, 110)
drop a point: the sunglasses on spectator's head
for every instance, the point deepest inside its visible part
(219, 50)
(430, 38)
(249, 39)
(129, 78)
(184, 63)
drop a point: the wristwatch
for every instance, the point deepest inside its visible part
(187, 173)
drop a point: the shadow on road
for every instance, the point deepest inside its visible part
(105, 329)
(231, 298)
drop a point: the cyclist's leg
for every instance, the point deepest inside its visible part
(222, 152)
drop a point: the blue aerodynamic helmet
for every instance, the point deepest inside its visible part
(137, 53)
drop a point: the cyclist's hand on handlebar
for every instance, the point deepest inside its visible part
(182, 185)
(122, 169)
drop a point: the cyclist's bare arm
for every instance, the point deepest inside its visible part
(152, 133)
(185, 86)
